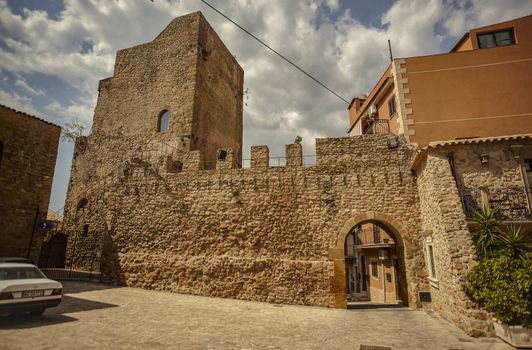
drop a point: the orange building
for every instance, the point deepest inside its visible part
(479, 89)
(372, 266)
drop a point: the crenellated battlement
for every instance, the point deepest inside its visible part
(350, 152)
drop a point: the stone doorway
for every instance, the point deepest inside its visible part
(371, 265)
(377, 260)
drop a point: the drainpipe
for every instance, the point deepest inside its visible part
(33, 232)
(383, 281)
(516, 152)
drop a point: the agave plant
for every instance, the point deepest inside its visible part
(486, 234)
(514, 241)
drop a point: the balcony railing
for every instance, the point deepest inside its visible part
(377, 126)
(512, 204)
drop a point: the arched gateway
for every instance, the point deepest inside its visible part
(395, 253)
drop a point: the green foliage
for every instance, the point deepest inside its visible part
(502, 282)
(485, 235)
(513, 240)
(502, 285)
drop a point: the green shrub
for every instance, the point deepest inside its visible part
(502, 285)
(502, 282)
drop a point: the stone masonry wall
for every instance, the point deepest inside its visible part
(499, 179)
(258, 234)
(26, 171)
(443, 219)
(218, 102)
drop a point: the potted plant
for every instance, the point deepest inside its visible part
(502, 282)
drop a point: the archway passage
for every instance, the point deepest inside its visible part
(339, 280)
(372, 267)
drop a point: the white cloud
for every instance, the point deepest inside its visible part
(15, 101)
(334, 47)
(80, 112)
(23, 84)
(464, 15)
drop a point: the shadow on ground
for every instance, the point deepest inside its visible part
(54, 315)
(370, 306)
(72, 287)
(27, 321)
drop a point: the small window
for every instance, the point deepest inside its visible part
(391, 106)
(376, 234)
(356, 233)
(85, 230)
(429, 249)
(374, 268)
(83, 203)
(177, 166)
(164, 121)
(495, 39)
(431, 261)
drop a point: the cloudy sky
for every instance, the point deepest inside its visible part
(54, 52)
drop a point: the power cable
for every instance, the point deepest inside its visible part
(277, 53)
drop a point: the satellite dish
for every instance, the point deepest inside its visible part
(298, 139)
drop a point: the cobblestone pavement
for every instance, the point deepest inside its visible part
(106, 317)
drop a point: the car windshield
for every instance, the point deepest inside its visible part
(20, 273)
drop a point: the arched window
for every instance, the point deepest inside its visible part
(164, 121)
(83, 202)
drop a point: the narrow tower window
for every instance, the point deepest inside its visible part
(83, 202)
(164, 121)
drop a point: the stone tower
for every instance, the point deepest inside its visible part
(186, 71)
(171, 102)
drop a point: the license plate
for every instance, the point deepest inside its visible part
(32, 293)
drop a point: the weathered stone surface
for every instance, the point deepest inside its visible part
(265, 233)
(258, 234)
(28, 149)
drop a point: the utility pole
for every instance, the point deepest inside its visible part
(33, 232)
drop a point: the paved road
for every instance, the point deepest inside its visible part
(98, 316)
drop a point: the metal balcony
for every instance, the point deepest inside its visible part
(512, 204)
(376, 126)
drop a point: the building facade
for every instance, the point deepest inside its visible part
(28, 150)
(372, 265)
(158, 198)
(479, 89)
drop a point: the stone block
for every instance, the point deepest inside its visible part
(294, 155)
(260, 157)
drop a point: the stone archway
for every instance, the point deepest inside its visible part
(337, 254)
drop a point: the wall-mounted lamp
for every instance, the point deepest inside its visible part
(392, 141)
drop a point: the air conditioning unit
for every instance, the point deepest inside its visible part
(372, 110)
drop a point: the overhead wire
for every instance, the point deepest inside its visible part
(276, 52)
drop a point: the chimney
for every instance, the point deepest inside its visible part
(354, 108)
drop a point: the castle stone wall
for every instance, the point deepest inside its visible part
(26, 171)
(258, 234)
(164, 212)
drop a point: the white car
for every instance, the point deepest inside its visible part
(24, 288)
